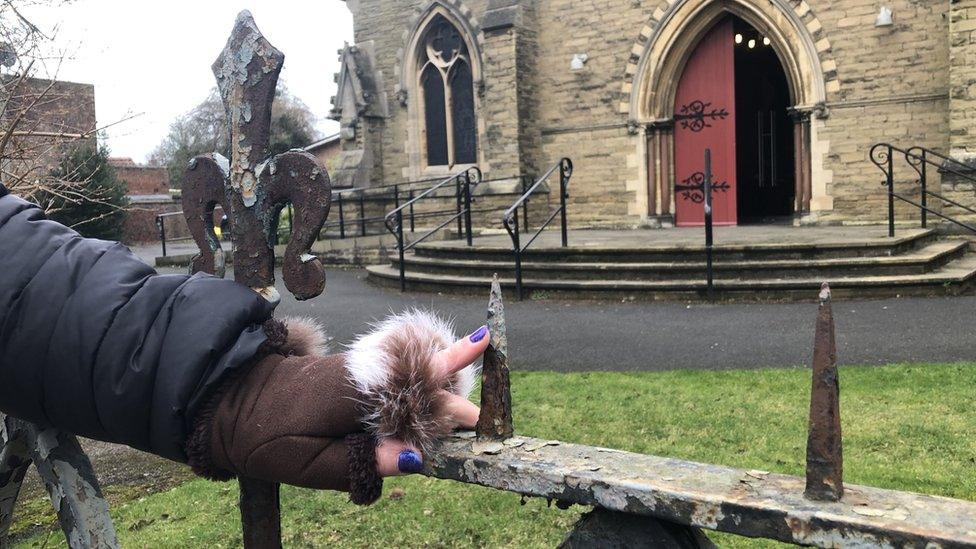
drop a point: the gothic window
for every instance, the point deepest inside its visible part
(448, 96)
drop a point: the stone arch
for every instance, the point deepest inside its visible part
(658, 60)
(664, 44)
(406, 69)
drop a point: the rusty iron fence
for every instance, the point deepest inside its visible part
(664, 502)
(637, 499)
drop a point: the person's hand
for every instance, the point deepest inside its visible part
(394, 457)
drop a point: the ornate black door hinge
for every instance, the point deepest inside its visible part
(693, 188)
(693, 115)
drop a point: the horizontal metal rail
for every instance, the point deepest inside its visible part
(716, 497)
(525, 194)
(920, 155)
(933, 212)
(511, 222)
(424, 236)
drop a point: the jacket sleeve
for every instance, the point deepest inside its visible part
(95, 342)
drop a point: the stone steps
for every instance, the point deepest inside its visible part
(917, 263)
(662, 252)
(927, 259)
(955, 278)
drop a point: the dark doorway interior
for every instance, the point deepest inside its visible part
(764, 131)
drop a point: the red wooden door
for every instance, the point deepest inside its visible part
(704, 117)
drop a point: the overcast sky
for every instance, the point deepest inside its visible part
(152, 59)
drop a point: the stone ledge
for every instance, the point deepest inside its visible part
(501, 14)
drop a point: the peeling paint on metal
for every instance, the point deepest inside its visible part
(495, 420)
(709, 496)
(68, 478)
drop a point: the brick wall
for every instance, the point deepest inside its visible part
(894, 88)
(141, 179)
(140, 222)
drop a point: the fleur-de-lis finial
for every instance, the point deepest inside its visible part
(247, 73)
(251, 187)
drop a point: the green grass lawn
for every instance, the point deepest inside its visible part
(908, 427)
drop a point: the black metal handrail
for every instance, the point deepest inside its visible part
(381, 194)
(511, 221)
(392, 193)
(703, 186)
(463, 184)
(882, 155)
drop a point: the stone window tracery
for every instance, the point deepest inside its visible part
(447, 88)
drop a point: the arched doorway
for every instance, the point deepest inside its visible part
(733, 97)
(671, 43)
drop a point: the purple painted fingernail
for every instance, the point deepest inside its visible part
(478, 334)
(410, 462)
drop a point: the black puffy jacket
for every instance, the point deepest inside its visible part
(93, 341)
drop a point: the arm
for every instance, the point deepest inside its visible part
(341, 421)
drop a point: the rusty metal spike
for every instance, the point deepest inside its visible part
(247, 73)
(495, 420)
(825, 457)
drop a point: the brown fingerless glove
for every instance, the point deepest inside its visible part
(299, 418)
(293, 420)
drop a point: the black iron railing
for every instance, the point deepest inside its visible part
(351, 209)
(350, 205)
(919, 158)
(175, 234)
(463, 182)
(511, 221)
(704, 187)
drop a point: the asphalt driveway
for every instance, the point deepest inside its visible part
(580, 335)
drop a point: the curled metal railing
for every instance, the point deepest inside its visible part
(511, 221)
(464, 182)
(919, 158)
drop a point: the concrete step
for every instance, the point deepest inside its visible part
(954, 278)
(663, 252)
(926, 259)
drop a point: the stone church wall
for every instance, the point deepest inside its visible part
(880, 84)
(893, 87)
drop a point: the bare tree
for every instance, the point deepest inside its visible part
(44, 121)
(202, 130)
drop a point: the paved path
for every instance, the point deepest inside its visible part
(576, 336)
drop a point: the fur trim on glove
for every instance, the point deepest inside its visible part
(393, 367)
(305, 337)
(365, 482)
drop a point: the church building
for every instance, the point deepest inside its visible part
(789, 96)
